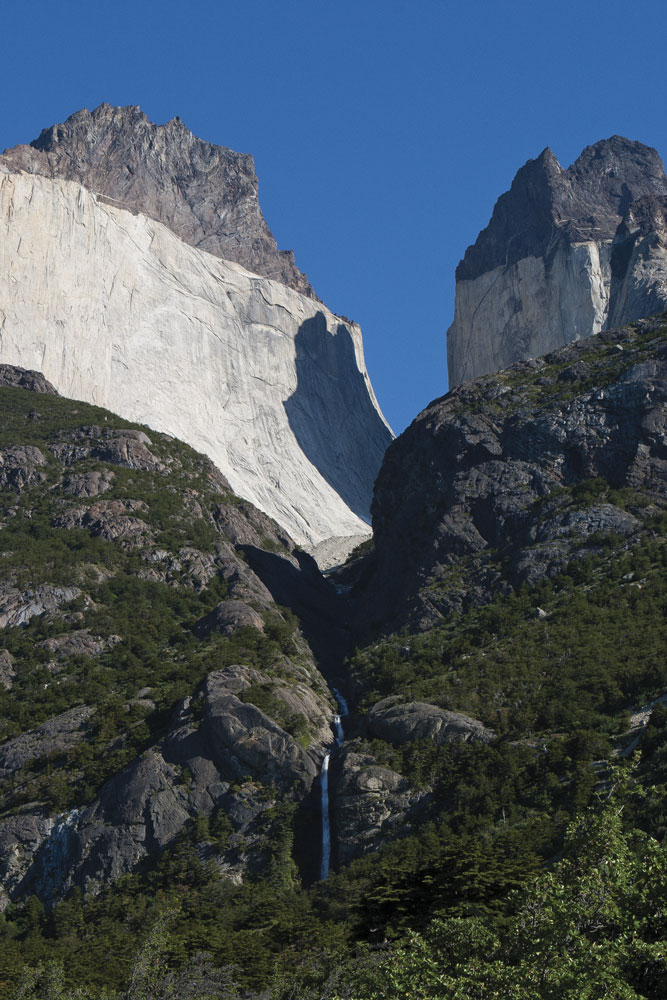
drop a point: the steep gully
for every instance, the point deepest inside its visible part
(324, 613)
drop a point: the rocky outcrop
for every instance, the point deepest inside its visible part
(131, 449)
(566, 254)
(372, 803)
(233, 758)
(227, 617)
(508, 478)
(54, 737)
(88, 484)
(113, 520)
(20, 466)
(244, 741)
(204, 193)
(266, 382)
(13, 377)
(78, 643)
(18, 606)
(21, 837)
(416, 720)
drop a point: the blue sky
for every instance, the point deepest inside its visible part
(383, 131)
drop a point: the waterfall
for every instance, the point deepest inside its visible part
(326, 826)
(342, 704)
(324, 784)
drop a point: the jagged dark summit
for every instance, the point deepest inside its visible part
(545, 203)
(206, 194)
(566, 254)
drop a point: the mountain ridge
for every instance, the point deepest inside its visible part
(206, 194)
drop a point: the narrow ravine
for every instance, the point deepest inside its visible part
(324, 785)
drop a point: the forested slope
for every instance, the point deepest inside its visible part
(496, 832)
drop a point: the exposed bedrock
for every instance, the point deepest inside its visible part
(204, 193)
(492, 477)
(116, 310)
(234, 758)
(566, 254)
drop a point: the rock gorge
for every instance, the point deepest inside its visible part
(566, 254)
(124, 250)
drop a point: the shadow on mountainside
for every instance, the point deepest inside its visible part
(322, 613)
(332, 415)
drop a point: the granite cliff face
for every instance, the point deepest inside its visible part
(204, 193)
(566, 254)
(123, 313)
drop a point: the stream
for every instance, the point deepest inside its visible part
(324, 785)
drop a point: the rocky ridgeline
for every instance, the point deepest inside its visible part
(506, 479)
(204, 193)
(566, 254)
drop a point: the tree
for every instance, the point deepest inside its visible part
(594, 927)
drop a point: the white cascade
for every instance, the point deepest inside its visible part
(342, 704)
(326, 825)
(343, 710)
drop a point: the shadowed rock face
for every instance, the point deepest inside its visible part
(330, 382)
(491, 476)
(566, 254)
(204, 193)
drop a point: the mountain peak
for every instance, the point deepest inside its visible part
(205, 193)
(590, 197)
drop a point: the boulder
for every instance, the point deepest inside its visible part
(416, 720)
(227, 617)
